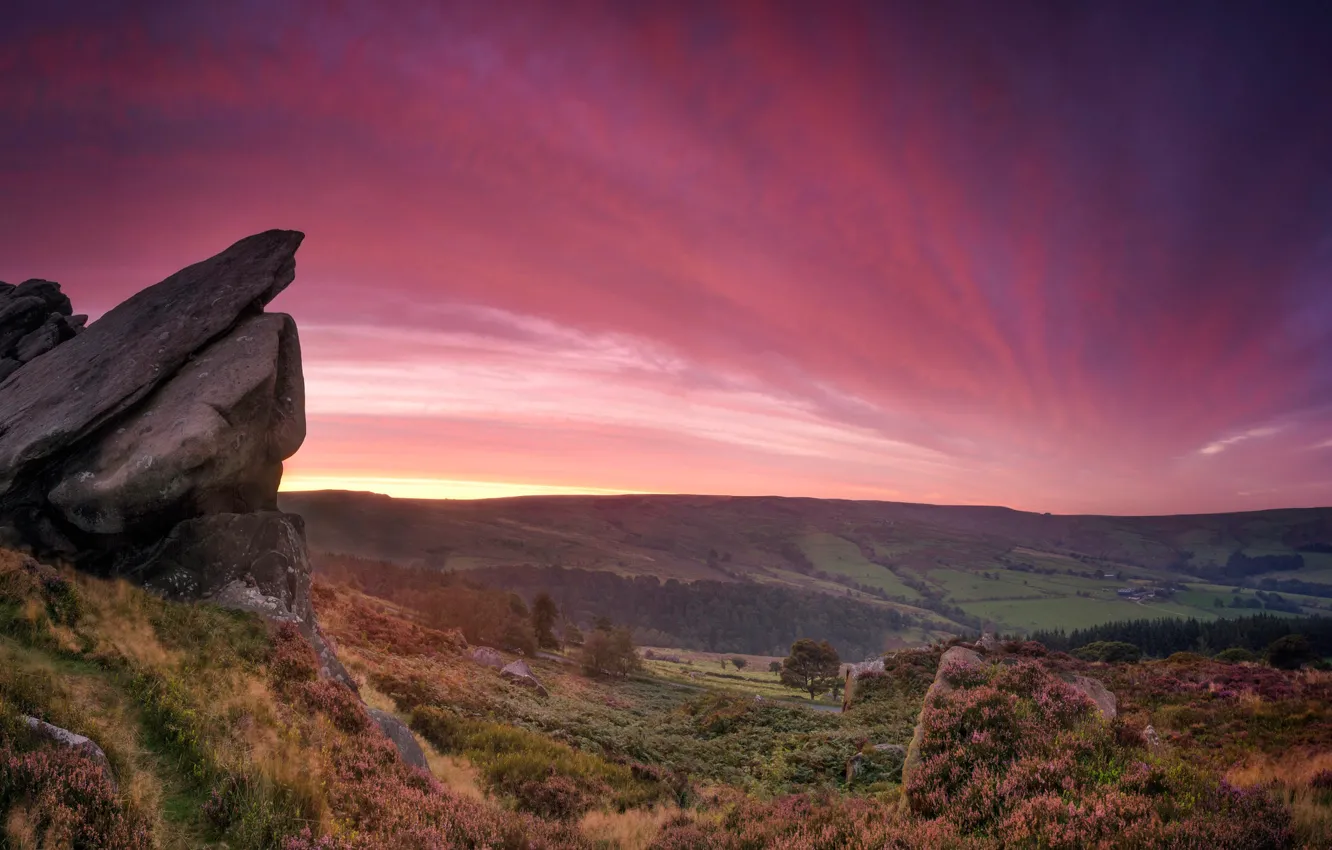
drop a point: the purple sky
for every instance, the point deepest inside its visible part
(1075, 258)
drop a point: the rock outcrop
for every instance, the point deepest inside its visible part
(397, 732)
(954, 657)
(35, 317)
(960, 658)
(150, 445)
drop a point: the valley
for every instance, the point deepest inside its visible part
(948, 569)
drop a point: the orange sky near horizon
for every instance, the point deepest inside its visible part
(917, 252)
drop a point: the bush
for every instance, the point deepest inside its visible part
(68, 800)
(445, 730)
(1236, 655)
(1109, 651)
(610, 653)
(557, 798)
(1017, 754)
(1290, 652)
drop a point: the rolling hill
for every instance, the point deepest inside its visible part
(952, 567)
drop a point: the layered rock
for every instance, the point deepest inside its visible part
(150, 445)
(35, 317)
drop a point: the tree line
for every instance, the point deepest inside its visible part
(1162, 637)
(744, 617)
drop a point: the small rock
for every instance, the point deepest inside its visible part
(330, 667)
(401, 737)
(520, 674)
(487, 657)
(891, 749)
(1153, 740)
(989, 642)
(78, 742)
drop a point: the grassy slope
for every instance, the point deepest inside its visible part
(896, 548)
(232, 710)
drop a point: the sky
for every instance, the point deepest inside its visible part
(1062, 257)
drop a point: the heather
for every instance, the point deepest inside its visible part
(1016, 753)
(217, 728)
(220, 732)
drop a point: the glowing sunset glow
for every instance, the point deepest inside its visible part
(921, 252)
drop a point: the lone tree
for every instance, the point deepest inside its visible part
(774, 666)
(811, 666)
(610, 653)
(739, 662)
(544, 615)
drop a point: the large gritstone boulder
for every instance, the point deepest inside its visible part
(150, 445)
(210, 439)
(65, 395)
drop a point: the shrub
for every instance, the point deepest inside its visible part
(520, 763)
(444, 729)
(1290, 652)
(1109, 651)
(1017, 754)
(1236, 655)
(556, 797)
(68, 799)
(610, 653)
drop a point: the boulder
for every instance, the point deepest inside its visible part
(520, 674)
(204, 557)
(401, 737)
(1097, 693)
(66, 738)
(330, 667)
(487, 657)
(59, 399)
(211, 439)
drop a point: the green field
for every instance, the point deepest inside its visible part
(1020, 570)
(839, 556)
